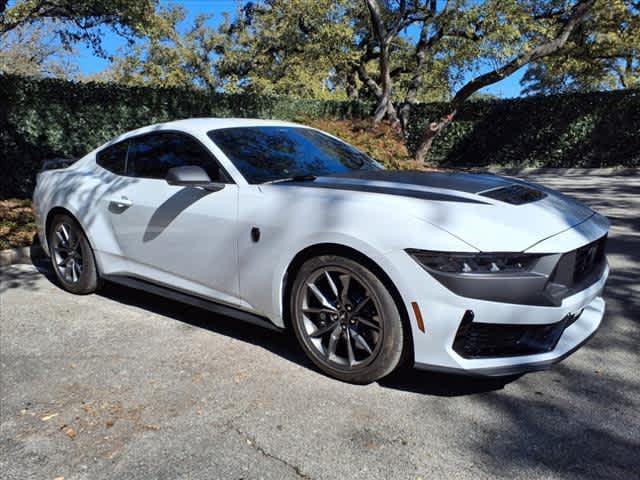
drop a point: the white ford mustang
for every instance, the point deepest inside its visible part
(285, 226)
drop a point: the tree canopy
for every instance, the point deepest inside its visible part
(168, 58)
(34, 51)
(301, 48)
(396, 53)
(79, 20)
(603, 54)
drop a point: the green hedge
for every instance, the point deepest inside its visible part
(41, 119)
(575, 130)
(49, 118)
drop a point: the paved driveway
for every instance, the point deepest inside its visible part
(126, 385)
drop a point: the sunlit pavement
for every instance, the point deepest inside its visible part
(126, 385)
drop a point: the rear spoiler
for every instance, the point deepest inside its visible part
(56, 164)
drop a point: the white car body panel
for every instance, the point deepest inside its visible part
(171, 229)
(200, 242)
(291, 220)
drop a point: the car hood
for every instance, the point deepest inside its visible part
(488, 212)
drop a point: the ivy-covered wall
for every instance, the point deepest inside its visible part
(42, 119)
(573, 130)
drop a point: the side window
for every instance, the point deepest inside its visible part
(151, 156)
(113, 158)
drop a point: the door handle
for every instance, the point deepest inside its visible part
(122, 202)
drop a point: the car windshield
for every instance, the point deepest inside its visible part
(264, 154)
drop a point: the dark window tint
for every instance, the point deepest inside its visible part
(270, 153)
(113, 158)
(151, 156)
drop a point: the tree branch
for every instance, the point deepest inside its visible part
(397, 24)
(579, 13)
(368, 81)
(425, 43)
(375, 15)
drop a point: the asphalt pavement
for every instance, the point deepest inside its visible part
(127, 385)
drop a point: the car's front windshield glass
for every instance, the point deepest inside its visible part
(264, 154)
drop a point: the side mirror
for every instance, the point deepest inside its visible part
(192, 176)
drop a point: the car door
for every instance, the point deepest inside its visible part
(184, 237)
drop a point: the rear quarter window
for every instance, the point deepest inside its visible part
(113, 158)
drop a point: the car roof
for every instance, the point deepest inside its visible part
(204, 125)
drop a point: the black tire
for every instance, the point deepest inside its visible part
(384, 344)
(82, 277)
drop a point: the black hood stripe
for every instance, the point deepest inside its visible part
(456, 181)
(424, 195)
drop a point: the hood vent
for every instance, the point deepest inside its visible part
(515, 194)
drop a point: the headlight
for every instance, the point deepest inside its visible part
(478, 263)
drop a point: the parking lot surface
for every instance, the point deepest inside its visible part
(123, 384)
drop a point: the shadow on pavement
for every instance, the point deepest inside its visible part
(282, 344)
(286, 346)
(443, 384)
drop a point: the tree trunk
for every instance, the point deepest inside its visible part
(381, 110)
(385, 108)
(430, 134)
(386, 111)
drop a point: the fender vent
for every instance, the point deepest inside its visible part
(515, 194)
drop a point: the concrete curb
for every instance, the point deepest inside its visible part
(12, 256)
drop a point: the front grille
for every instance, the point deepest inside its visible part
(484, 340)
(515, 194)
(588, 259)
(577, 270)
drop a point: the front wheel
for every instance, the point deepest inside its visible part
(346, 320)
(71, 255)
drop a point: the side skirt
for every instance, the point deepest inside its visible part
(192, 300)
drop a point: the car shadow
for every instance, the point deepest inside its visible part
(283, 344)
(439, 384)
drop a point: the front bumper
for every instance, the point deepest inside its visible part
(443, 311)
(571, 340)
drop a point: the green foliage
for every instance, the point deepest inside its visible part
(166, 58)
(49, 118)
(80, 20)
(301, 48)
(603, 54)
(572, 130)
(34, 50)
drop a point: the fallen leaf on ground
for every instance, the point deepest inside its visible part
(69, 431)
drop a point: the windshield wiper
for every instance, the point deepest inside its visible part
(295, 178)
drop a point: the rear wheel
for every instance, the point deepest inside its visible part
(71, 255)
(346, 320)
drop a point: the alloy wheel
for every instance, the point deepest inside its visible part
(341, 318)
(67, 253)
